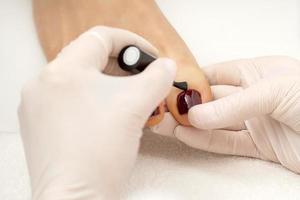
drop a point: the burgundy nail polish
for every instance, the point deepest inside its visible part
(155, 112)
(187, 99)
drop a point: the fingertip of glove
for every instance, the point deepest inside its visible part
(199, 116)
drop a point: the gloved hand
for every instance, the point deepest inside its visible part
(256, 114)
(81, 129)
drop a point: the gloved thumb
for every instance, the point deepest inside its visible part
(154, 84)
(269, 96)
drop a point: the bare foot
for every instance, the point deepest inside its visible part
(60, 21)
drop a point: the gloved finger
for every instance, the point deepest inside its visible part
(218, 141)
(153, 84)
(166, 127)
(226, 73)
(168, 124)
(258, 99)
(220, 91)
(94, 47)
(267, 64)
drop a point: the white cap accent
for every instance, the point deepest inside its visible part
(131, 55)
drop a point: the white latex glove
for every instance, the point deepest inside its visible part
(81, 129)
(256, 114)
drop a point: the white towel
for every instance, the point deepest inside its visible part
(168, 170)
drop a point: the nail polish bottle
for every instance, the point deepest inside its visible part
(133, 59)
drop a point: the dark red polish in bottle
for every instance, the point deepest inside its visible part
(187, 99)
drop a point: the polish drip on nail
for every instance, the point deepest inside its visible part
(187, 99)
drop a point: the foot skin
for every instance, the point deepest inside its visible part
(60, 21)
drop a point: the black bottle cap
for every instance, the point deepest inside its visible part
(131, 58)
